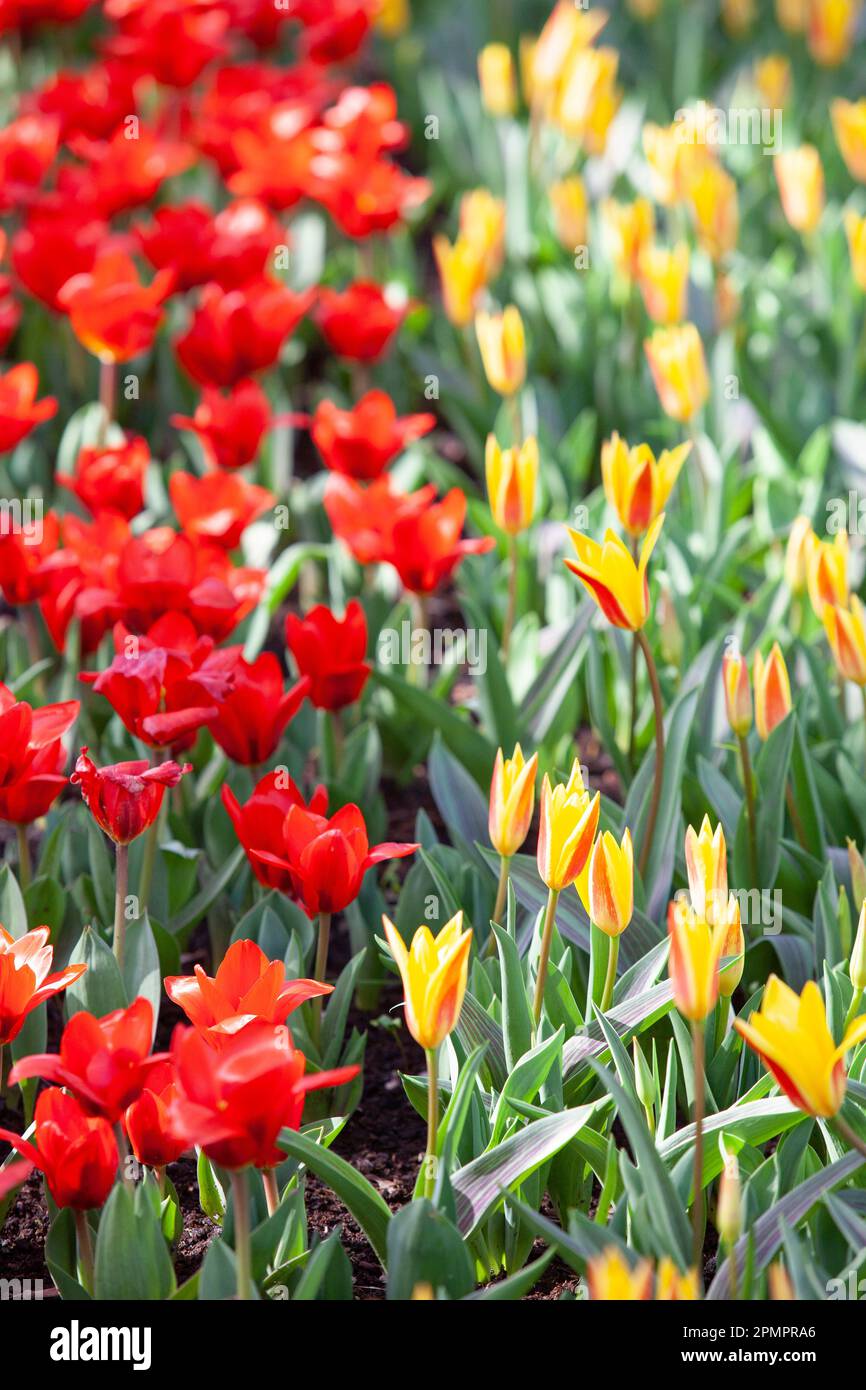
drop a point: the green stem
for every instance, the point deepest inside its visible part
(511, 609)
(632, 737)
(272, 1189)
(749, 789)
(320, 970)
(698, 1179)
(501, 890)
(610, 976)
(659, 772)
(849, 1136)
(416, 673)
(107, 385)
(121, 886)
(721, 1020)
(849, 1017)
(25, 872)
(243, 1262)
(546, 938)
(122, 1156)
(85, 1250)
(151, 844)
(731, 1252)
(795, 816)
(432, 1121)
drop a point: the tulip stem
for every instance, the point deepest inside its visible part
(749, 789)
(432, 1120)
(721, 1020)
(320, 970)
(25, 873)
(546, 938)
(121, 885)
(85, 1250)
(501, 890)
(511, 609)
(272, 1189)
(632, 737)
(107, 383)
(660, 750)
(151, 844)
(243, 1262)
(698, 1179)
(610, 976)
(849, 1136)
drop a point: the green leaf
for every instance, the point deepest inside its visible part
(211, 1194)
(424, 1247)
(132, 1262)
(141, 973)
(354, 1191)
(516, 1010)
(462, 737)
(184, 921)
(13, 913)
(100, 990)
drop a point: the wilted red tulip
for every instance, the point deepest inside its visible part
(20, 412)
(325, 860)
(237, 332)
(112, 313)
(234, 1101)
(77, 1152)
(25, 978)
(253, 714)
(231, 427)
(104, 1062)
(124, 173)
(362, 442)
(124, 798)
(231, 248)
(426, 543)
(217, 507)
(364, 518)
(331, 652)
(246, 988)
(34, 248)
(359, 322)
(147, 1121)
(32, 756)
(111, 479)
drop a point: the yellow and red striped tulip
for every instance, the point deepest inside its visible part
(664, 282)
(793, 15)
(636, 485)
(629, 227)
(800, 176)
(855, 231)
(738, 692)
(462, 275)
(511, 475)
(679, 370)
(849, 126)
(606, 886)
(791, 1036)
(497, 80)
(569, 209)
(612, 1279)
(846, 633)
(773, 80)
(587, 98)
(434, 972)
(482, 226)
(827, 571)
(772, 691)
(831, 30)
(569, 820)
(796, 553)
(512, 801)
(674, 1287)
(707, 868)
(712, 197)
(502, 343)
(619, 586)
(693, 965)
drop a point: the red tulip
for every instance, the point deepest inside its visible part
(362, 442)
(76, 1151)
(235, 333)
(325, 860)
(25, 978)
(20, 412)
(276, 159)
(111, 312)
(162, 572)
(124, 173)
(218, 507)
(170, 42)
(92, 102)
(231, 248)
(253, 714)
(427, 544)
(34, 248)
(230, 427)
(233, 1102)
(124, 798)
(246, 988)
(334, 29)
(259, 822)
(10, 312)
(148, 1124)
(364, 518)
(28, 148)
(32, 756)
(79, 581)
(359, 322)
(369, 196)
(23, 554)
(111, 479)
(104, 1062)
(331, 652)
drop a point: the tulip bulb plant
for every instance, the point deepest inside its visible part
(432, 592)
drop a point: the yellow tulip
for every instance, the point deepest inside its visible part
(738, 692)
(610, 575)
(855, 230)
(827, 571)
(502, 343)
(611, 1279)
(693, 964)
(512, 801)
(496, 76)
(636, 485)
(831, 30)
(773, 80)
(679, 370)
(569, 820)
(512, 475)
(707, 868)
(629, 227)
(663, 146)
(672, 1286)
(849, 125)
(462, 274)
(570, 213)
(588, 98)
(846, 633)
(772, 691)
(606, 886)
(567, 30)
(526, 61)
(791, 1036)
(800, 176)
(664, 280)
(392, 18)
(434, 971)
(482, 226)
(712, 197)
(793, 15)
(799, 541)
(738, 16)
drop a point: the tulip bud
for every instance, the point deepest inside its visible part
(482, 226)
(831, 27)
(857, 963)
(679, 370)
(635, 484)
(855, 230)
(511, 479)
(793, 15)
(462, 276)
(733, 948)
(664, 279)
(827, 571)
(707, 868)
(846, 634)
(773, 80)
(526, 60)
(502, 343)
(610, 1278)
(674, 1287)
(644, 9)
(800, 176)
(569, 820)
(772, 691)
(643, 1078)
(587, 97)
(738, 693)
(781, 1288)
(610, 885)
(858, 874)
(693, 965)
(423, 1292)
(569, 208)
(712, 196)
(512, 800)
(629, 227)
(795, 554)
(738, 16)
(434, 972)
(496, 76)
(392, 18)
(729, 1209)
(849, 126)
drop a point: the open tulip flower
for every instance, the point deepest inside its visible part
(219, 507)
(361, 442)
(75, 1150)
(230, 426)
(33, 756)
(679, 370)
(434, 970)
(619, 586)
(636, 484)
(569, 819)
(846, 633)
(20, 411)
(111, 312)
(259, 824)
(254, 709)
(696, 951)
(26, 979)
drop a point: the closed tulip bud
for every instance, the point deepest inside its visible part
(796, 552)
(512, 475)
(434, 972)
(793, 15)
(693, 965)
(738, 16)
(526, 62)
(855, 231)
(496, 76)
(462, 276)
(780, 1286)
(800, 176)
(773, 80)
(422, 1292)
(570, 211)
(857, 963)
(569, 820)
(858, 874)
(831, 30)
(502, 343)
(611, 1278)
(707, 868)
(609, 573)
(607, 886)
(827, 571)
(849, 126)
(729, 1209)
(636, 485)
(512, 801)
(846, 633)
(679, 370)
(791, 1036)
(733, 949)
(738, 692)
(712, 196)
(629, 227)
(482, 226)
(664, 280)
(674, 1287)
(772, 691)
